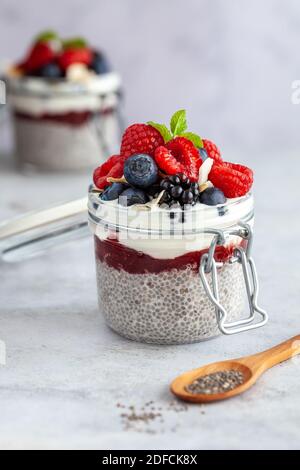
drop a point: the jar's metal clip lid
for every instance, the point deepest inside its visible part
(243, 256)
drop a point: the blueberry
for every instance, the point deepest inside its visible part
(203, 154)
(175, 179)
(212, 197)
(133, 196)
(112, 192)
(100, 63)
(51, 70)
(187, 197)
(140, 170)
(176, 192)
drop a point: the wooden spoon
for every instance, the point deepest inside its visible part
(252, 367)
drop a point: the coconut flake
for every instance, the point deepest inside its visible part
(205, 170)
(151, 204)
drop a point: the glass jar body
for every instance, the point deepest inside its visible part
(151, 290)
(63, 129)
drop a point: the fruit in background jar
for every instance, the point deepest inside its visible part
(112, 192)
(75, 51)
(179, 156)
(99, 63)
(40, 55)
(133, 196)
(233, 179)
(140, 138)
(113, 168)
(212, 197)
(212, 150)
(51, 70)
(140, 170)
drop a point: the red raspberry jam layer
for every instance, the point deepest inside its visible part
(71, 118)
(120, 257)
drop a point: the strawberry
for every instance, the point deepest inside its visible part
(140, 138)
(41, 54)
(212, 150)
(75, 55)
(233, 179)
(113, 168)
(179, 156)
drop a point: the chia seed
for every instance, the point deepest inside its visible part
(217, 382)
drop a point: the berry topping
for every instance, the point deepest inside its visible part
(112, 192)
(179, 156)
(140, 170)
(212, 150)
(113, 168)
(133, 196)
(100, 63)
(169, 166)
(233, 179)
(212, 197)
(140, 138)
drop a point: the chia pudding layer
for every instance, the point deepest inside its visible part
(69, 142)
(163, 301)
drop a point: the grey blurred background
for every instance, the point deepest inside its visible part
(230, 63)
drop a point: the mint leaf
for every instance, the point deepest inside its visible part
(196, 139)
(74, 43)
(162, 129)
(178, 122)
(46, 36)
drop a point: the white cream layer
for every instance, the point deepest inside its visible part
(36, 97)
(164, 245)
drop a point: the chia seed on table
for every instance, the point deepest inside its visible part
(217, 382)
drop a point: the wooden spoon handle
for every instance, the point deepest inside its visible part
(269, 358)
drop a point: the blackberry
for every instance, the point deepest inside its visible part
(187, 197)
(176, 192)
(179, 189)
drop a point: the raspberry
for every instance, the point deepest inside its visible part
(167, 162)
(234, 180)
(179, 156)
(140, 138)
(212, 150)
(79, 55)
(113, 168)
(41, 54)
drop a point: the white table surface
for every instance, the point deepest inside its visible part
(68, 379)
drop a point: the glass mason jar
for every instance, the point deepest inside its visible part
(164, 277)
(63, 125)
(173, 277)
